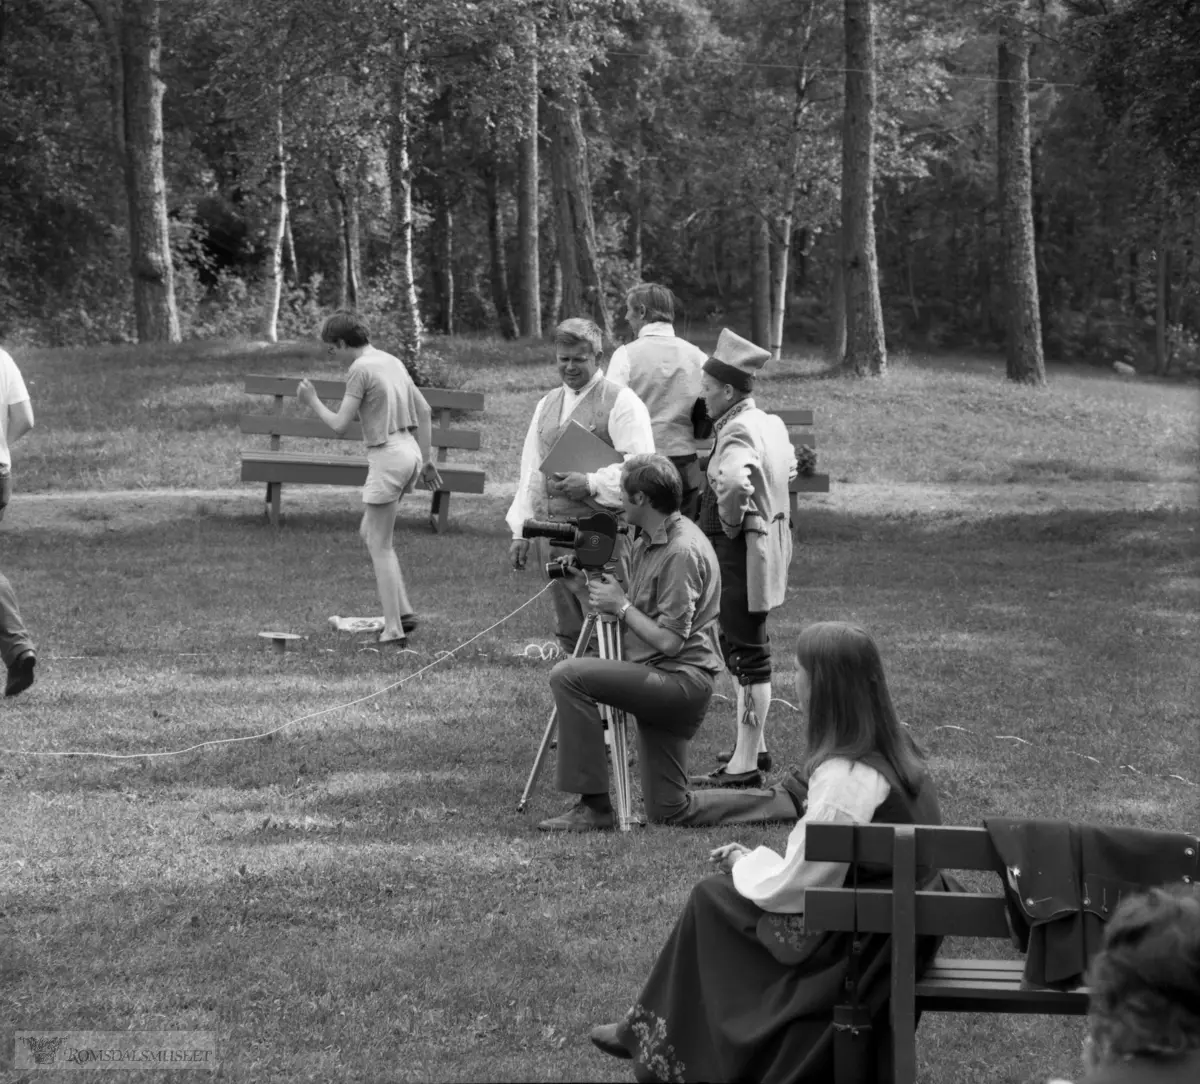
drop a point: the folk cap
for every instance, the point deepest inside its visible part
(736, 361)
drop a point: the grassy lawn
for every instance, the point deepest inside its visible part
(356, 898)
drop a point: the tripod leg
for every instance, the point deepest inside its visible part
(581, 646)
(616, 733)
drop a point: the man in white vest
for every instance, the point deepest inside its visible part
(744, 512)
(614, 414)
(664, 372)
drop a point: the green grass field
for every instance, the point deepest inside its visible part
(355, 898)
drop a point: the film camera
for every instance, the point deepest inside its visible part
(593, 538)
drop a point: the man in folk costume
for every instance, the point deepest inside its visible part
(615, 415)
(664, 372)
(744, 512)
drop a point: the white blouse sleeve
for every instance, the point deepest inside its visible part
(531, 487)
(632, 434)
(840, 791)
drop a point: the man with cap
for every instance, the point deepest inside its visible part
(615, 415)
(744, 512)
(663, 370)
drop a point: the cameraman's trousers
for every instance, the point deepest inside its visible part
(669, 707)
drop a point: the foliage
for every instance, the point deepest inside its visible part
(692, 116)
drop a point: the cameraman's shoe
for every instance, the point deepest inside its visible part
(728, 780)
(20, 674)
(764, 759)
(579, 818)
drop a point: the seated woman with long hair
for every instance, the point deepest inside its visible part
(740, 991)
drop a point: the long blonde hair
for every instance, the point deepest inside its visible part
(850, 712)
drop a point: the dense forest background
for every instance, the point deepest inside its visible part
(236, 167)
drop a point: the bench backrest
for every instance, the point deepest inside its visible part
(802, 419)
(903, 848)
(442, 401)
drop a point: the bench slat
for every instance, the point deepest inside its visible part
(938, 847)
(793, 415)
(999, 997)
(950, 966)
(341, 470)
(813, 483)
(437, 398)
(276, 425)
(949, 914)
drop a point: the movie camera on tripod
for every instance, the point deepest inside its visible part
(593, 538)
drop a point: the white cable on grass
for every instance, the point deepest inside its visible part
(442, 656)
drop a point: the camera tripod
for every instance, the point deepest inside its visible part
(616, 728)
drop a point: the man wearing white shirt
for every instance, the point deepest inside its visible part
(16, 419)
(614, 414)
(664, 371)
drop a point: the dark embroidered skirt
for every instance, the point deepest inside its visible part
(720, 1006)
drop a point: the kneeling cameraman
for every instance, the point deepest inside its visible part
(672, 658)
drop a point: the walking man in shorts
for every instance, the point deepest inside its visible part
(397, 430)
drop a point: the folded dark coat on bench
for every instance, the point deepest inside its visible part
(1063, 881)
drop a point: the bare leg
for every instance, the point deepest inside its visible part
(377, 531)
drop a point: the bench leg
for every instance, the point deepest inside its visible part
(439, 511)
(274, 500)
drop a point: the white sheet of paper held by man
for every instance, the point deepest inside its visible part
(579, 449)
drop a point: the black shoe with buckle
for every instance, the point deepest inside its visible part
(728, 780)
(20, 674)
(764, 759)
(608, 1038)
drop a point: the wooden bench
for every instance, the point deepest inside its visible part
(812, 483)
(949, 985)
(277, 468)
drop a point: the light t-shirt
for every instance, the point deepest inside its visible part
(387, 396)
(12, 391)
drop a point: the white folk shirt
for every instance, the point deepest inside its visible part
(840, 792)
(618, 364)
(12, 392)
(631, 432)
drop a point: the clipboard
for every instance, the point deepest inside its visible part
(579, 449)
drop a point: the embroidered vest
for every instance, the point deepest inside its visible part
(664, 373)
(592, 413)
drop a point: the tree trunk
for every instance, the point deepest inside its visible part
(400, 181)
(499, 263)
(760, 269)
(1023, 326)
(866, 353)
(145, 183)
(583, 292)
(783, 246)
(529, 278)
(289, 249)
(837, 306)
(1162, 306)
(348, 219)
(556, 293)
(273, 286)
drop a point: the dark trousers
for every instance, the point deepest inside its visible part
(668, 707)
(14, 637)
(745, 642)
(692, 478)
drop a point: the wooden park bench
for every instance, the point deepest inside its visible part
(277, 467)
(811, 483)
(949, 985)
